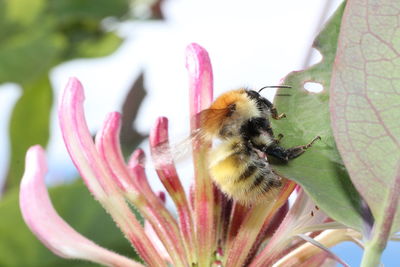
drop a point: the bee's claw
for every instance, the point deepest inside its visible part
(278, 138)
(312, 142)
(280, 116)
(294, 152)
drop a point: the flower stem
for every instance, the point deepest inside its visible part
(375, 246)
(372, 254)
(383, 226)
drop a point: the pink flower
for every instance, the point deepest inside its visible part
(210, 229)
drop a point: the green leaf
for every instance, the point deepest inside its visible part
(319, 170)
(29, 55)
(29, 126)
(35, 36)
(76, 10)
(19, 247)
(98, 47)
(23, 12)
(365, 103)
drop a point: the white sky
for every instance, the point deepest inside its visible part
(251, 43)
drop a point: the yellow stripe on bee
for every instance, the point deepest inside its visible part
(227, 166)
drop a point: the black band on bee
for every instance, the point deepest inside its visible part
(272, 184)
(250, 170)
(254, 126)
(258, 180)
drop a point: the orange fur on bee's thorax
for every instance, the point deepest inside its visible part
(213, 117)
(220, 111)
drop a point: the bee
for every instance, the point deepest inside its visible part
(241, 122)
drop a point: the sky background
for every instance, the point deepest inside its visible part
(251, 43)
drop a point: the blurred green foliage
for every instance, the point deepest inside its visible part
(35, 36)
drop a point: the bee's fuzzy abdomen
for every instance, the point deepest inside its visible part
(250, 170)
(241, 174)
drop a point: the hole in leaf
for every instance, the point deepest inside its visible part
(315, 57)
(313, 87)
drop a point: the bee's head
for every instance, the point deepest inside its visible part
(263, 104)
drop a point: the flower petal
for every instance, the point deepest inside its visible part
(136, 188)
(151, 233)
(252, 225)
(169, 177)
(200, 92)
(48, 226)
(267, 230)
(321, 259)
(108, 146)
(313, 246)
(155, 212)
(79, 142)
(239, 213)
(223, 214)
(200, 72)
(297, 221)
(96, 173)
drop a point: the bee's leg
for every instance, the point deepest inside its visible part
(294, 152)
(275, 115)
(274, 112)
(278, 139)
(277, 152)
(289, 153)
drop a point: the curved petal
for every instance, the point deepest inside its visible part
(147, 202)
(297, 221)
(314, 246)
(78, 140)
(96, 173)
(168, 175)
(201, 95)
(48, 226)
(253, 223)
(108, 146)
(200, 72)
(149, 229)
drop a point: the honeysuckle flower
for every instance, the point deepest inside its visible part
(48, 226)
(210, 230)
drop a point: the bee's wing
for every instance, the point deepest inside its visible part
(211, 121)
(165, 153)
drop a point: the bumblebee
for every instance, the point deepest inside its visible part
(241, 121)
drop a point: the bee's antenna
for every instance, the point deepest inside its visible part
(275, 86)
